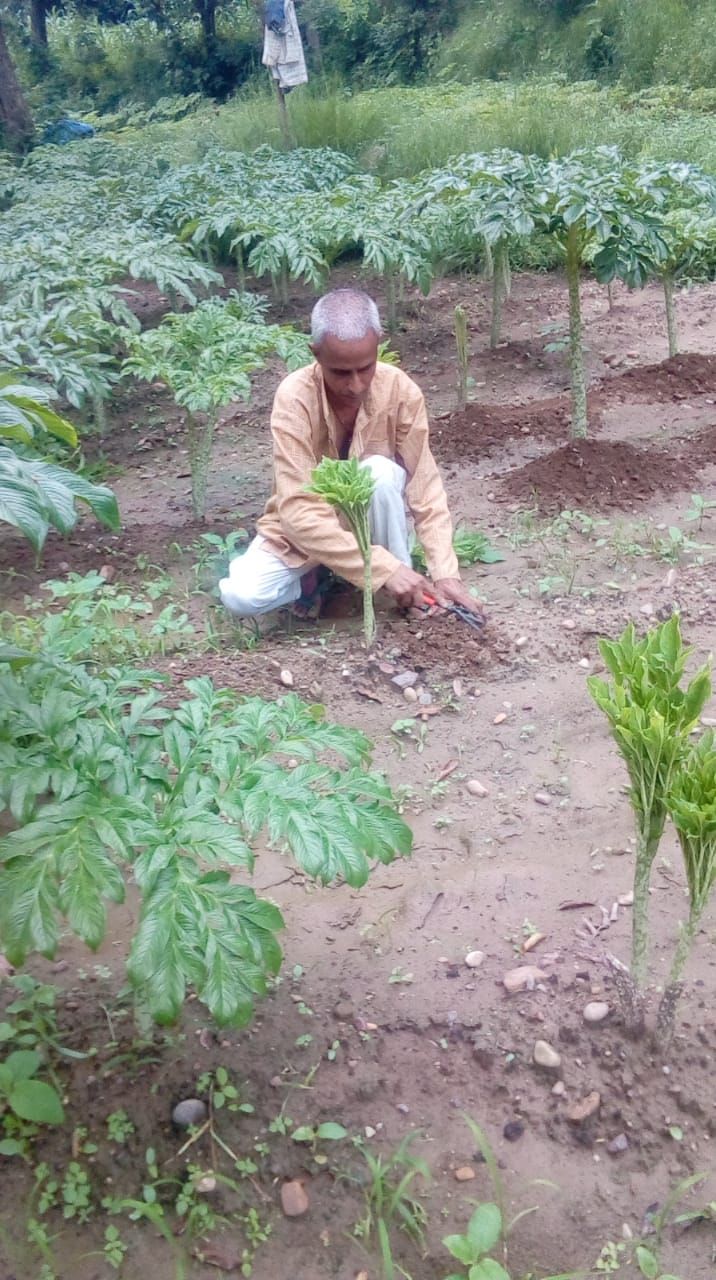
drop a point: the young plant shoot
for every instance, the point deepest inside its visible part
(349, 488)
(692, 809)
(651, 718)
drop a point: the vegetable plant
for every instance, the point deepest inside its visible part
(588, 199)
(470, 546)
(206, 357)
(692, 809)
(349, 487)
(391, 1203)
(25, 1097)
(104, 781)
(36, 495)
(651, 717)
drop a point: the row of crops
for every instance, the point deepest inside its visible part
(79, 223)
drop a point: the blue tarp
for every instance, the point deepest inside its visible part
(65, 130)
(275, 16)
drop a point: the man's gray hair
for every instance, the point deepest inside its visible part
(346, 314)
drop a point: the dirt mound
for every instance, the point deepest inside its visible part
(468, 432)
(673, 379)
(598, 474)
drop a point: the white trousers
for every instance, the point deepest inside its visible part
(258, 581)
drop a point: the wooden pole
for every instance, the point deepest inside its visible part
(283, 119)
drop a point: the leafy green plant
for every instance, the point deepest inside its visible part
(651, 717)
(206, 357)
(391, 1203)
(104, 780)
(36, 495)
(119, 1126)
(691, 804)
(26, 1097)
(483, 1234)
(594, 199)
(470, 546)
(349, 487)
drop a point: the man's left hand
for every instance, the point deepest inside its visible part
(453, 591)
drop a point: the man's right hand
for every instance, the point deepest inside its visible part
(409, 587)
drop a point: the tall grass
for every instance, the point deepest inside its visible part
(399, 131)
(640, 42)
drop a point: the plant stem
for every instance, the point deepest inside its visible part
(488, 269)
(576, 355)
(610, 295)
(390, 299)
(362, 533)
(240, 269)
(645, 854)
(200, 439)
(671, 323)
(462, 354)
(99, 412)
(499, 291)
(667, 1007)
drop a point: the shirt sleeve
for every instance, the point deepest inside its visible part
(309, 522)
(424, 491)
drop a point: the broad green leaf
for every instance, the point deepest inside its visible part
(647, 1261)
(488, 1269)
(331, 1132)
(10, 1147)
(36, 1101)
(485, 1227)
(461, 1248)
(304, 1133)
(23, 1063)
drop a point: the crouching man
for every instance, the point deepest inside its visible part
(347, 405)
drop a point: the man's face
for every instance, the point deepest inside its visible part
(347, 367)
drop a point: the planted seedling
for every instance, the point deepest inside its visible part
(329, 1131)
(692, 808)
(349, 487)
(651, 717)
(390, 1202)
(25, 1098)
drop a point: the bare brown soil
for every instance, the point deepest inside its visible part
(404, 1035)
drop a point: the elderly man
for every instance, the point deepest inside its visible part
(348, 405)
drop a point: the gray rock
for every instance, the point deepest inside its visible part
(190, 1111)
(476, 788)
(618, 1144)
(405, 679)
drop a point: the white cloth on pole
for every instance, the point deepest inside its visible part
(258, 581)
(283, 52)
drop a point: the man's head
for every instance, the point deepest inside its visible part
(345, 329)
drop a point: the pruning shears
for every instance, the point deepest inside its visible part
(474, 620)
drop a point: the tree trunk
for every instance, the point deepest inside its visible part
(500, 290)
(576, 354)
(38, 23)
(207, 15)
(671, 324)
(15, 119)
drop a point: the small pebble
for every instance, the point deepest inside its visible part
(500, 717)
(369, 1131)
(523, 978)
(464, 1174)
(474, 959)
(286, 678)
(410, 695)
(190, 1111)
(406, 679)
(294, 1199)
(403, 1109)
(618, 1144)
(206, 1185)
(596, 1011)
(585, 663)
(543, 797)
(521, 642)
(513, 1130)
(545, 1056)
(585, 1108)
(626, 899)
(569, 624)
(476, 788)
(559, 1089)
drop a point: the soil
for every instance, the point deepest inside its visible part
(375, 994)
